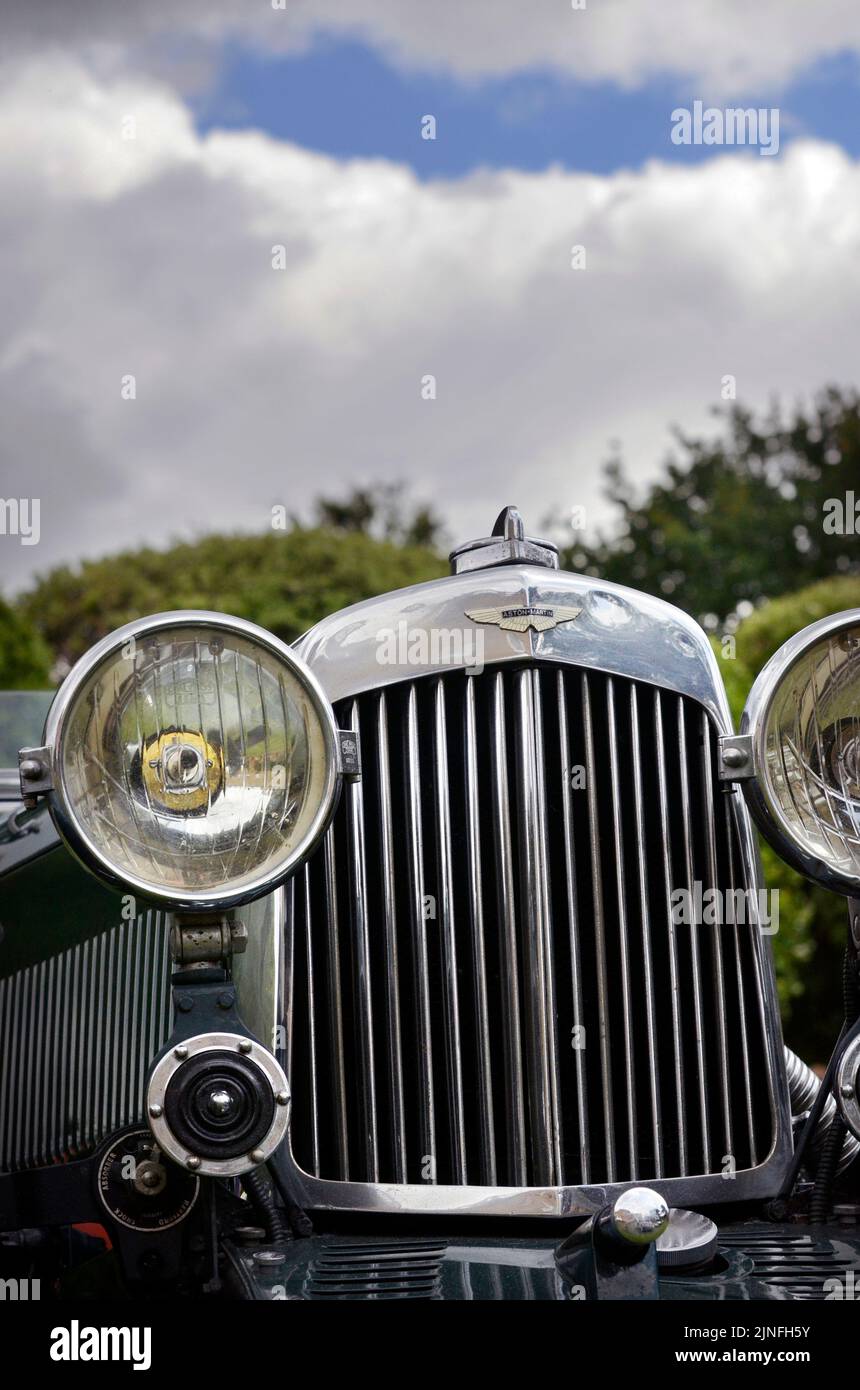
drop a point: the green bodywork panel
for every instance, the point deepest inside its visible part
(48, 901)
(755, 1261)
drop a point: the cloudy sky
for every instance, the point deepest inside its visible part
(154, 154)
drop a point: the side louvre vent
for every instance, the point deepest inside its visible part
(797, 1264)
(393, 1269)
(77, 1033)
(487, 984)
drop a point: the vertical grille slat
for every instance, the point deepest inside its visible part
(313, 1091)
(688, 883)
(118, 964)
(486, 1113)
(288, 975)
(134, 1090)
(5, 1026)
(44, 1144)
(125, 956)
(361, 970)
(37, 1132)
(623, 929)
(148, 1006)
(578, 1039)
(66, 1060)
(505, 875)
(86, 1024)
(447, 938)
(335, 1012)
(500, 813)
(392, 954)
(417, 925)
(64, 1085)
(602, 982)
(540, 1051)
(541, 861)
(739, 983)
(647, 960)
(711, 879)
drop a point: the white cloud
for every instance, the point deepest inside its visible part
(721, 45)
(254, 386)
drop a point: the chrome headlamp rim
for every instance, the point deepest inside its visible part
(61, 805)
(766, 813)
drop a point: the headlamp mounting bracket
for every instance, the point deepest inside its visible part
(350, 754)
(34, 773)
(735, 757)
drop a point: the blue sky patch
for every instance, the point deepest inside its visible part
(342, 99)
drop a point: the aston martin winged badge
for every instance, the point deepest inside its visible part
(526, 616)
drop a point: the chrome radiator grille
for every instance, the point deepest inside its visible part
(77, 1033)
(484, 981)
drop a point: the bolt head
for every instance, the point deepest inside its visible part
(257, 1156)
(181, 1052)
(192, 1162)
(156, 1111)
(31, 769)
(244, 1045)
(282, 1097)
(220, 1102)
(734, 757)
(847, 1091)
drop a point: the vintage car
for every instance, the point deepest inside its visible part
(428, 958)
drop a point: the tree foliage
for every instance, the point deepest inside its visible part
(739, 518)
(380, 510)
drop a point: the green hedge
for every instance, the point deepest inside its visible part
(25, 661)
(285, 581)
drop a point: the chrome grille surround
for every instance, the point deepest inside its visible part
(390, 1055)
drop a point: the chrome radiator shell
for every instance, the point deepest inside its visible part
(660, 658)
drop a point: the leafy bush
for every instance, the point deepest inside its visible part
(285, 581)
(25, 662)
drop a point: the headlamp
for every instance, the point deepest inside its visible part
(802, 717)
(191, 757)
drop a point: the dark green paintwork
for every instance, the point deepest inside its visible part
(756, 1261)
(48, 901)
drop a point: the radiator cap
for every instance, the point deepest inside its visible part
(508, 545)
(689, 1239)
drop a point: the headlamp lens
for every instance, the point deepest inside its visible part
(810, 752)
(194, 759)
